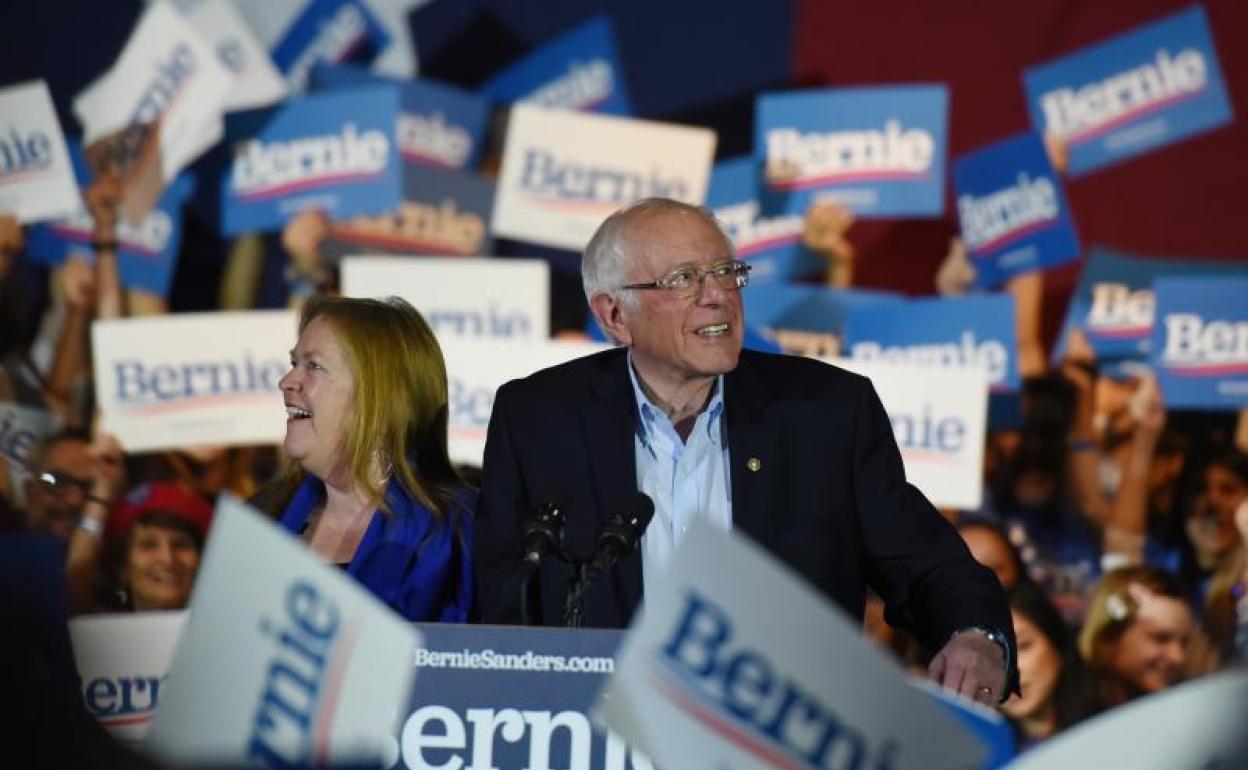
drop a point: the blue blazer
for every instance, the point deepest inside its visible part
(418, 565)
(827, 493)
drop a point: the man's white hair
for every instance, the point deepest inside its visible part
(604, 266)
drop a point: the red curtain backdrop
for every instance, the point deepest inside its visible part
(1186, 200)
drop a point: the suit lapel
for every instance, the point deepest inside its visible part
(609, 421)
(751, 455)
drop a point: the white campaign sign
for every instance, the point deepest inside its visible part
(564, 172)
(477, 368)
(1198, 725)
(735, 662)
(176, 381)
(256, 82)
(286, 660)
(939, 417)
(123, 661)
(36, 177)
(166, 73)
(458, 296)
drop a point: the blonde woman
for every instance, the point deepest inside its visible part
(370, 486)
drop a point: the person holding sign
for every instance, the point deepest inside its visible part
(795, 453)
(370, 486)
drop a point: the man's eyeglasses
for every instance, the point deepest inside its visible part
(686, 281)
(63, 484)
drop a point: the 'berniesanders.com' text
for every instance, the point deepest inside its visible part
(526, 661)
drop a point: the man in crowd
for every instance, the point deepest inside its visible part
(797, 454)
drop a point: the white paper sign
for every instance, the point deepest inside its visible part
(286, 661)
(939, 417)
(166, 73)
(565, 172)
(182, 380)
(461, 297)
(123, 661)
(36, 177)
(256, 82)
(1198, 725)
(477, 368)
(735, 662)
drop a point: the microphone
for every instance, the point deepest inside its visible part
(622, 532)
(542, 533)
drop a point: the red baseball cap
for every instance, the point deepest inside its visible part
(158, 496)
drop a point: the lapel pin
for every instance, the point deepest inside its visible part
(753, 463)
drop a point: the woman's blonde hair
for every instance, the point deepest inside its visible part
(398, 419)
(1113, 609)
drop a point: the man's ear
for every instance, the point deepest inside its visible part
(610, 316)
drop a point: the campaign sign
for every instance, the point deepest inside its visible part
(477, 368)
(1200, 342)
(1199, 724)
(475, 298)
(256, 82)
(936, 333)
(175, 381)
(736, 662)
(1113, 302)
(564, 172)
(878, 151)
(22, 427)
(1013, 214)
(804, 319)
(579, 71)
(286, 661)
(36, 178)
(772, 245)
(156, 110)
(123, 663)
(332, 151)
(1156, 85)
(939, 420)
(439, 126)
(331, 31)
(444, 213)
(511, 698)
(147, 252)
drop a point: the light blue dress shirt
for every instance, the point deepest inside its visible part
(686, 480)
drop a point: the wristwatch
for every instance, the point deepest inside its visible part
(1002, 641)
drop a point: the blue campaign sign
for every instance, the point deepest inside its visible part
(1113, 302)
(773, 245)
(332, 31)
(443, 213)
(879, 151)
(439, 125)
(1155, 85)
(147, 254)
(578, 71)
(1200, 342)
(511, 698)
(805, 319)
(1014, 215)
(333, 151)
(967, 331)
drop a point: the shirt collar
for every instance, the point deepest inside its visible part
(652, 417)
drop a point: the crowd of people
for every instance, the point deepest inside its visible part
(1117, 529)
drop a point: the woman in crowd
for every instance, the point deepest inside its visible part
(1056, 690)
(371, 487)
(1218, 530)
(156, 535)
(1136, 637)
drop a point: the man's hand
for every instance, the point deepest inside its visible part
(971, 665)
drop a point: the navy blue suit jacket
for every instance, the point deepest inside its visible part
(828, 496)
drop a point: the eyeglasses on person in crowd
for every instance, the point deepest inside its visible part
(686, 280)
(63, 484)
